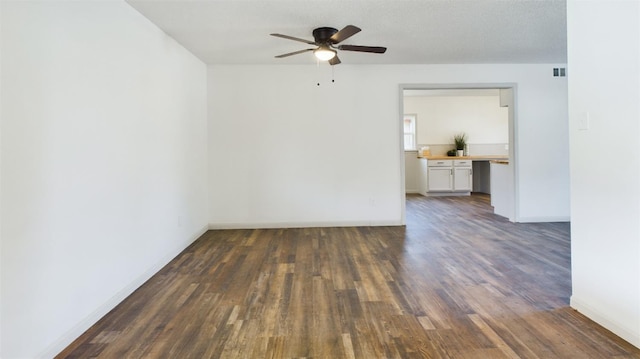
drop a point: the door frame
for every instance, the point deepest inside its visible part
(513, 135)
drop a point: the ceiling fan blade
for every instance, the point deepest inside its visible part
(334, 61)
(344, 34)
(373, 49)
(294, 38)
(293, 53)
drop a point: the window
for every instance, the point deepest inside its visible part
(409, 132)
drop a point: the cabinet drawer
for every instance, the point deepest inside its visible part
(439, 163)
(462, 163)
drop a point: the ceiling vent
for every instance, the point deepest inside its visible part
(559, 72)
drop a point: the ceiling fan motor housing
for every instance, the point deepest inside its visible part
(322, 35)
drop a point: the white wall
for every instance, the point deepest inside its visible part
(604, 84)
(103, 164)
(441, 117)
(1, 180)
(284, 151)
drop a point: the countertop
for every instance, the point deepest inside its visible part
(472, 158)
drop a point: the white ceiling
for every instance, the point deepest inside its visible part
(415, 32)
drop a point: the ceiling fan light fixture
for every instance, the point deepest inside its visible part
(324, 53)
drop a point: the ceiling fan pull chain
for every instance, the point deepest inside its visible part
(333, 74)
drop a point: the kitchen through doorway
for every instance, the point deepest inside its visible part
(430, 117)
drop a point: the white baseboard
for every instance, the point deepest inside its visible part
(544, 219)
(67, 338)
(448, 194)
(598, 317)
(265, 225)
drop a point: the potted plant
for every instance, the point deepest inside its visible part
(460, 141)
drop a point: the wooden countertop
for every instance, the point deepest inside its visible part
(473, 158)
(500, 162)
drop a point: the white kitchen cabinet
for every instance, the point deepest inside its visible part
(462, 176)
(446, 177)
(501, 189)
(411, 169)
(440, 179)
(422, 176)
(439, 176)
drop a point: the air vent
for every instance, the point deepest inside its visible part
(559, 72)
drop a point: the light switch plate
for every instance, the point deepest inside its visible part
(585, 121)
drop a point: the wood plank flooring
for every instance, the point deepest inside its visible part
(456, 282)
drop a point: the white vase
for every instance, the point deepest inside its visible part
(460, 153)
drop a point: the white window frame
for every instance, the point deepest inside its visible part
(413, 118)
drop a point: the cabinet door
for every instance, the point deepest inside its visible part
(411, 171)
(462, 179)
(422, 177)
(440, 179)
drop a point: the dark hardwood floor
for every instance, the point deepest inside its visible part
(457, 282)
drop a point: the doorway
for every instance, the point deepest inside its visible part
(484, 143)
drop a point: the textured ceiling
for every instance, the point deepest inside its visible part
(415, 32)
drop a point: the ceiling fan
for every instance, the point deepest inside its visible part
(326, 39)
